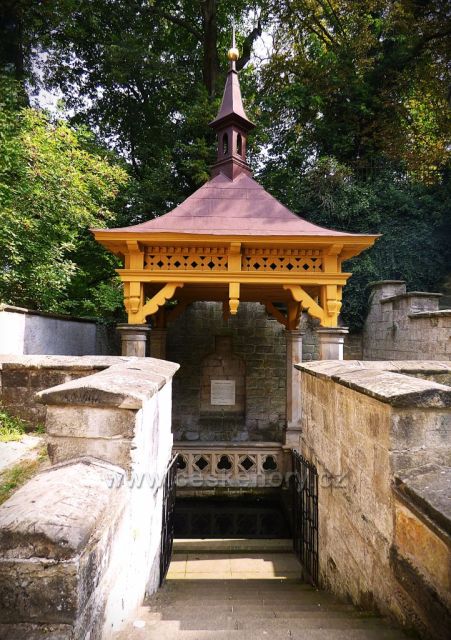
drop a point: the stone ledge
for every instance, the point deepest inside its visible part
(441, 313)
(55, 513)
(385, 381)
(46, 314)
(410, 294)
(381, 283)
(126, 385)
(428, 489)
(59, 362)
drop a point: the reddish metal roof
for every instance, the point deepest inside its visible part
(231, 207)
(232, 103)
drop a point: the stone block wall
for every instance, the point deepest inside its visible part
(21, 377)
(259, 342)
(420, 555)
(405, 325)
(80, 542)
(353, 347)
(363, 424)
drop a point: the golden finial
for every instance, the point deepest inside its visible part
(233, 54)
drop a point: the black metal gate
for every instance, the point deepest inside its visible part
(305, 514)
(167, 525)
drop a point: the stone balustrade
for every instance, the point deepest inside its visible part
(227, 464)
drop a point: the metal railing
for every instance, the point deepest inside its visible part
(304, 486)
(167, 524)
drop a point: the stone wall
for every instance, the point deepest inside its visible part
(405, 325)
(80, 542)
(23, 332)
(259, 342)
(363, 423)
(353, 347)
(21, 377)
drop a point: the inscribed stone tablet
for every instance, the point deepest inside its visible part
(223, 392)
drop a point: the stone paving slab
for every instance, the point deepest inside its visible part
(234, 566)
(235, 610)
(232, 545)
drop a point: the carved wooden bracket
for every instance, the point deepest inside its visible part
(159, 299)
(307, 302)
(234, 297)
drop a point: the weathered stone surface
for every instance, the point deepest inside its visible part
(124, 385)
(36, 632)
(379, 380)
(31, 526)
(429, 488)
(259, 341)
(406, 326)
(79, 544)
(22, 376)
(364, 422)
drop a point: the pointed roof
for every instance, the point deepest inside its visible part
(232, 207)
(235, 205)
(231, 108)
(232, 104)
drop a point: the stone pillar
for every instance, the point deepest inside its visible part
(331, 341)
(294, 356)
(133, 339)
(158, 343)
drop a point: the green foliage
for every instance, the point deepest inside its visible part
(11, 428)
(55, 183)
(360, 81)
(15, 477)
(352, 123)
(412, 217)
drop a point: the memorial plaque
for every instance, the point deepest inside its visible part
(223, 392)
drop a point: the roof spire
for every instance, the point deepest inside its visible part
(232, 124)
(233, 54)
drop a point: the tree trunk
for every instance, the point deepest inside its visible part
(210, 45)
(11, 41)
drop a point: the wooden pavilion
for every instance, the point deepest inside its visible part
(232, 241)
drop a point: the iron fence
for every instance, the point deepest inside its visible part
(305, 514)
(167, 524)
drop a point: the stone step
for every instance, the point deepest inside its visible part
(246, 598)
(305, 614)
(232, 545)
(169, 633)
(180, 613)
(231, 622)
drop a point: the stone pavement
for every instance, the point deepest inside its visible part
(249, 596)
(233, 566)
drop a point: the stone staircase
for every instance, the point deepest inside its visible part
(276, 609)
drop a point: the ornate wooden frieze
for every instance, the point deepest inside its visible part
(208, 259)
(289, 260)
(215, 464)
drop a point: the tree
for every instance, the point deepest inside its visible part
(145, 75)
(362, 82)
(55, 182)
(355, 107)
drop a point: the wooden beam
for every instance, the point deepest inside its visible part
(159, 299)
(312, 307)
(275, 313)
